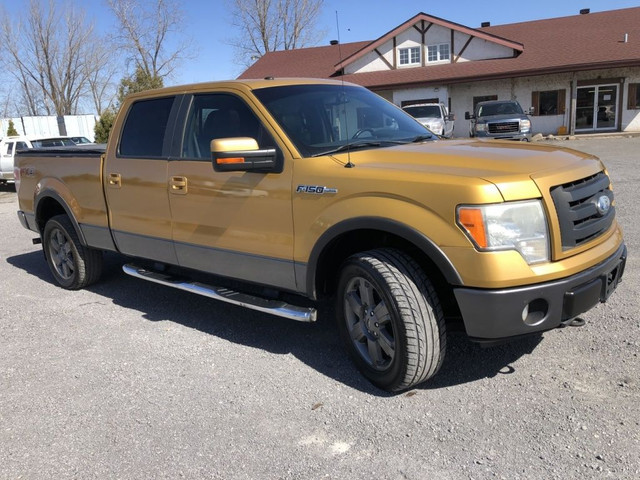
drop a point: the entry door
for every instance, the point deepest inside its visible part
(596, 108)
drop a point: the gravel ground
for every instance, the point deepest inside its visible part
(133, 380)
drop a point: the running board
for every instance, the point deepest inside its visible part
(274, 307)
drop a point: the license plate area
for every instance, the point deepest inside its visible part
(611, 279)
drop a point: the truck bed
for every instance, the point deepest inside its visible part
(75, 175)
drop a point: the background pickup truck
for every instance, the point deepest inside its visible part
(503, 119)
(269, 193)
(434, 116)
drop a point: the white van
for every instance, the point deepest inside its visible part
(9, 146)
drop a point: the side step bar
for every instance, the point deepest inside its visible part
(274, 307)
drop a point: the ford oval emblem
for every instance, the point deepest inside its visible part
(603, 205)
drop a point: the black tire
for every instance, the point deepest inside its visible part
(390, 319)
(73, 265)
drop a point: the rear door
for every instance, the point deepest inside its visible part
(136, 182)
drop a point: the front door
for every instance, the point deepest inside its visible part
(235, 224)
(596, 108)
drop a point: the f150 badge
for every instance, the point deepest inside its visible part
(315, 189)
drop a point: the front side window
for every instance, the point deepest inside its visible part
(219, 115)
(438, 52)
(322, 119)
(409, 56)
(145, 128)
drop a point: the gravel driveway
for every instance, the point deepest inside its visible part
(133, 380)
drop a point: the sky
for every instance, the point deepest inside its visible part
(207, 23)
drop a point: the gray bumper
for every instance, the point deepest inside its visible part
(506, 136)
(491, 315)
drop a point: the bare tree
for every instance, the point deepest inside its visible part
(46, 55)
(145, 28)
(100, 70)
(267, 25)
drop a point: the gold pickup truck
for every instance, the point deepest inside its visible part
(269, 193)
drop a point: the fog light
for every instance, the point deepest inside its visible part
(535, 312)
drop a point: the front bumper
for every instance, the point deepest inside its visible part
(491, 315)
(506, 136)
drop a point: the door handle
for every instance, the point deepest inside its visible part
(114, 180)
(178, 185)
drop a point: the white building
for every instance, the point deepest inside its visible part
(580, 73)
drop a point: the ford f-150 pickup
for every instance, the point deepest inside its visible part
(272, 194)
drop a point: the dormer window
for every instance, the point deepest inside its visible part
(409, 56)
(438, 52)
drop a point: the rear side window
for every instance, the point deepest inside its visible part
(145, 128)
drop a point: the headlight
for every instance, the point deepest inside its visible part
(481, 127)
(525, 125)
(520, 226)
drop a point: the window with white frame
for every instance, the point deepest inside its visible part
(438, 52)
(409, 56)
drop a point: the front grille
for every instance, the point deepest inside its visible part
(582, 210)
(504, 127)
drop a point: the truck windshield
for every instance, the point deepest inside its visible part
(423, 111)
(320, 119)
(506, 108)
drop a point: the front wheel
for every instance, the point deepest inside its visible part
(390, 319)
(73, 265)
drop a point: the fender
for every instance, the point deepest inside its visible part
(48, 192)
(385, 225)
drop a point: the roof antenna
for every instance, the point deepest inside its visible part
(349, 164)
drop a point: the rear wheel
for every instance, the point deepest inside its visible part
(390, 319)
(73, 265)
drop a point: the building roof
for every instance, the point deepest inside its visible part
(315, 62)
(555, 45)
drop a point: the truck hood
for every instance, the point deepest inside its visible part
(510, 166)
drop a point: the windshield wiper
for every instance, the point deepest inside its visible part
(375, 143)
(421, 138)
(350, 146)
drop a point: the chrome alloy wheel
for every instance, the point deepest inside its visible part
(369, 323)
(61, 254)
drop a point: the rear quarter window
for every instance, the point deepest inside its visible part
(145, 128)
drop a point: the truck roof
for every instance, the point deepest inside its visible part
(249, 84)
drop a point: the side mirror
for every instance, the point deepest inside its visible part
(468, 116)
(451, 117)
(242, 154)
